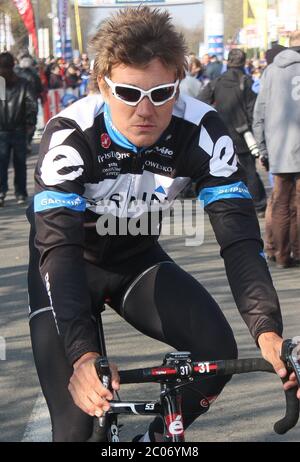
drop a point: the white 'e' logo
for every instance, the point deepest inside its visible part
(55, 160)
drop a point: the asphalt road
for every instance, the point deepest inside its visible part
(245, 411)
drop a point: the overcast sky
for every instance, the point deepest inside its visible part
(187, 15)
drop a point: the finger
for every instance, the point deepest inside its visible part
(85, 396)
(279, 368)
(80, 402)
(115, 378)
(273, 356)
(115, 385)
(98, 401)
(289, 384)
(99, 409)
(104, 392)
(99, 388)
(282, 372)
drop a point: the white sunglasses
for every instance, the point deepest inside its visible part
(132, 95)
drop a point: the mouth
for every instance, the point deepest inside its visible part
(145, 126)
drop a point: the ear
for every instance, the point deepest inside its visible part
(103, 87)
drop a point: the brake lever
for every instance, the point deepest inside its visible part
(290, 355)
(104, 374)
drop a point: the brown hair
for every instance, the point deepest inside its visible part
(135, 36)
(195, 61)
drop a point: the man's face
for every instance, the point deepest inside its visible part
(205, 60)
(142, 124)
(194, 69)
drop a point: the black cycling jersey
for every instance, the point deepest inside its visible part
(86, 168)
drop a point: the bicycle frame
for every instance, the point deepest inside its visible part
(169, 408)
(177, 371)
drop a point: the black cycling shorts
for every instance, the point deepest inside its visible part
(155, 296)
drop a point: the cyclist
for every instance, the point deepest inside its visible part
(138, 139)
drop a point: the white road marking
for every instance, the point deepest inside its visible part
(38, 428)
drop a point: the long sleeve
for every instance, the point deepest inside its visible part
(229, 205)
(259, 120)
(59, 215)
(31, 107)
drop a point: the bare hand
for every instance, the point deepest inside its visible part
(264, 162)
(87, 390)
(270, 344)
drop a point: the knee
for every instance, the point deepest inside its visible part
(228, 349)
(73, 432)
(218, 347)
(280, 201)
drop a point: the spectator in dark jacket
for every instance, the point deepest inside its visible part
(213, 68)
(26, 70)
(56, 80)
(18, 111)
(231, 94)
(72, 77)
(49, 63)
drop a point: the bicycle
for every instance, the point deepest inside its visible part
(177, 371)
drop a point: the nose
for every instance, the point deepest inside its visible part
(145, 108)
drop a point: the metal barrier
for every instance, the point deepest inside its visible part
(52, 104)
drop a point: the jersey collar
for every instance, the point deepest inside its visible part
(114, 133)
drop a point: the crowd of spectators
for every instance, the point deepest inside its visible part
(232, 86)
(27, 84)
(258, 98)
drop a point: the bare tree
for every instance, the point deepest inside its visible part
(193, 37)
(19, 30)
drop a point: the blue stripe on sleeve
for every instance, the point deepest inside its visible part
(229, 191)
(47, 200)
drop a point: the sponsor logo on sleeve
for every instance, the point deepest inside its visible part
(62, 163)
(51, 199)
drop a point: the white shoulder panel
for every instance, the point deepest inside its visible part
(59, 137)
(84, 111)
(191, 109)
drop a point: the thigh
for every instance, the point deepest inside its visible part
(297, 188)
(283, 186)
(19, 147)
(69, 423)
(5, 147)
(168, 304)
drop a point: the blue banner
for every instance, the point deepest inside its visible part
(62, 14)
(216, 45)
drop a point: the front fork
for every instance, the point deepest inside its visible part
(171, 401)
